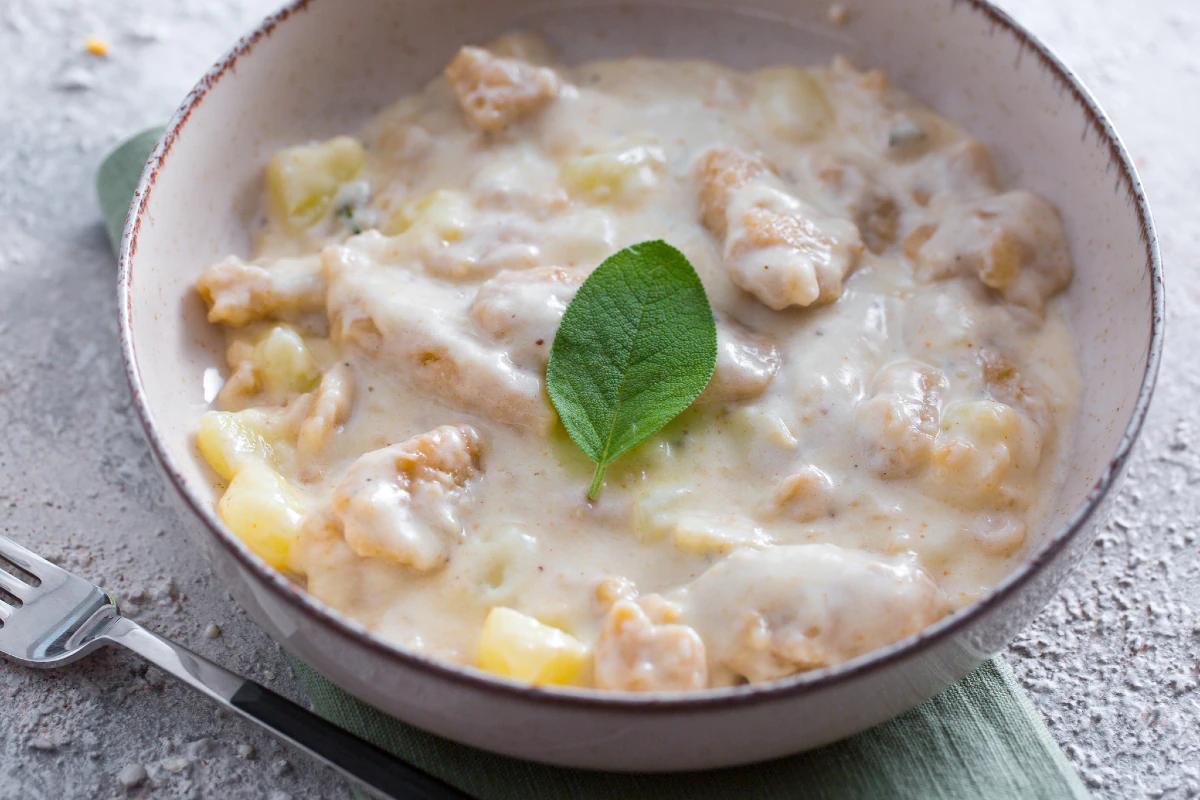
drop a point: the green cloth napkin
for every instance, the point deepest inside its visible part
(981, 739)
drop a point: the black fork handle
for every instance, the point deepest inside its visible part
(376, 770)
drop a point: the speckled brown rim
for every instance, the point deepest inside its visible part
(710, 698)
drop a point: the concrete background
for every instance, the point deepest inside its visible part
(1111, 663)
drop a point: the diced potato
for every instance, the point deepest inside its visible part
(656, 512)
(443, 213)
(619, 176)
(586, 237)
(793, 103)
(228, 442)
(518, 646)
(268, 369)
(985, 455)
(286, 363)
(264, 511)
(494, 566)
(752, 424)
(703, 536)
(302, 181)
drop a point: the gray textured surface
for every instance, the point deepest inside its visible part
(1112, 663)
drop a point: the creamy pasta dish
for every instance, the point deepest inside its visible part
(884, 433)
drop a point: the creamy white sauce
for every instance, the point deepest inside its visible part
(884, 434)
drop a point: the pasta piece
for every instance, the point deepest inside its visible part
(765, 614)
(330, 410)
(898, 424)
(496, 92)
(634, 654)
(401, 502)
(419, 330)
(721, 172)
(804, 496)
(985, 457)
(238, 293)
(776, 246)
(522, 180)
(1013, 243)
(522, 309)
(1004, 383)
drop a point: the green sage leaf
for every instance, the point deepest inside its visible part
(635, 347)
(117, 178)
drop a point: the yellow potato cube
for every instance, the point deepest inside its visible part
(263, 510)
(287, 364)
(621, 176)
(518, 646)
(303, 180)
(656, 512)
(754, 426)
(703, 536)
(229, 441)
(792, 103)
(443, 214)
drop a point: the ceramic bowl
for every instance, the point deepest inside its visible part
(321, 67)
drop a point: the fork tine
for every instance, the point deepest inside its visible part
(15, 586)
(26, 559)
(5, 611)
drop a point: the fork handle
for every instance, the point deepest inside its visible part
(361, 761)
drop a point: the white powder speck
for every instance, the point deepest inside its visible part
(175, 765)
(131, 776)
(75, 79)
(199, 748)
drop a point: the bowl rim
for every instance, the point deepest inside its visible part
(669, 702)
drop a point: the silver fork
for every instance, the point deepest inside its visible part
(52, 617)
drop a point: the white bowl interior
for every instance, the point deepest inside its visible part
(330, 65)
